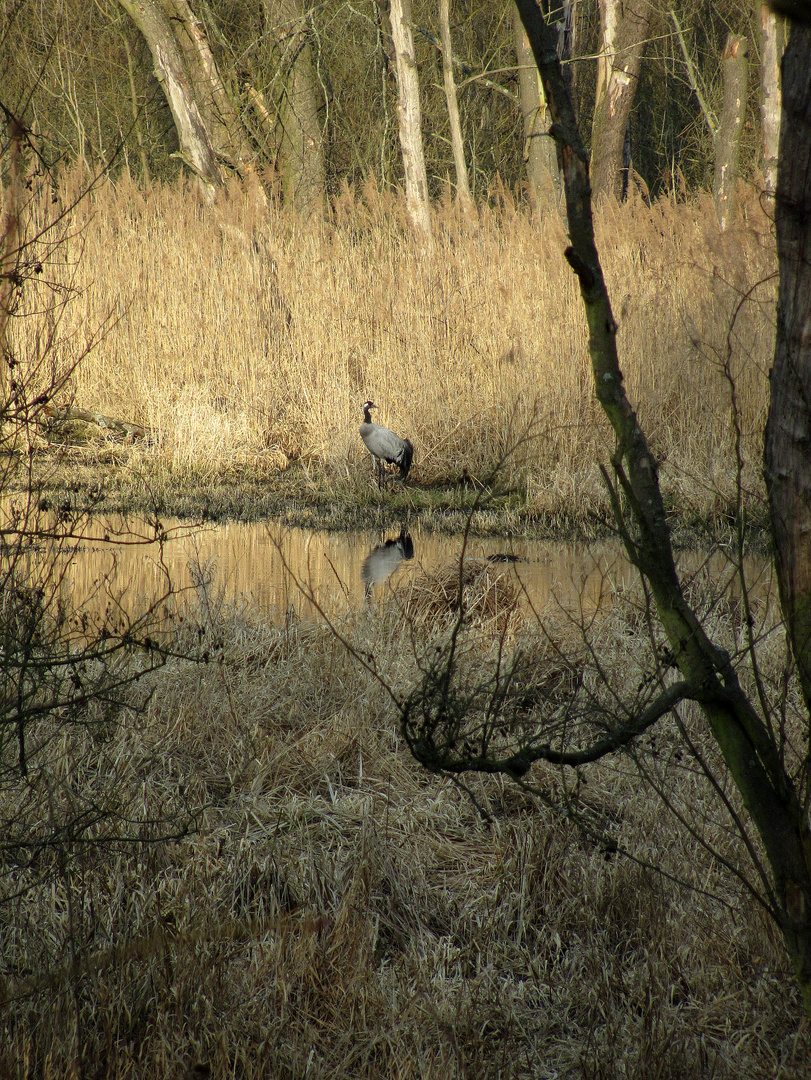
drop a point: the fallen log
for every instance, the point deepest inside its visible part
(87, 416)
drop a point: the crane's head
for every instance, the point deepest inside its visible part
(368, 405)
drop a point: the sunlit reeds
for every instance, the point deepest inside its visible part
(327, 907)
(247, 337)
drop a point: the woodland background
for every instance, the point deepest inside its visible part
(81, 76)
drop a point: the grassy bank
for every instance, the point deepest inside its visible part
(338, 912)
(244, 339)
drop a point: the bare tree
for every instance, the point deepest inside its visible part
(410, 117)
(10, 254)
(540, 155)
(773, 43)
(725, 129)
(70, 666)
(208, 125)
(727, 140)
(302, 139)
(462, 183)
(787, 457)
(624, 31)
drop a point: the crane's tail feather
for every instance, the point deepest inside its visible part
(406, 458)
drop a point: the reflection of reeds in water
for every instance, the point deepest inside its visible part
(489, 595)
(250, 566)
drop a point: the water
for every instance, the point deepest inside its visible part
(263, 565)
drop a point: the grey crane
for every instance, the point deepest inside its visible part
(384, 445)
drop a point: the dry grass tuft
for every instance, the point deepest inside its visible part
(489, 597)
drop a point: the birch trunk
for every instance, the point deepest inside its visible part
(624, 27)
(410, 117)
(728, 136)
(540, 155)
(460, 165)
(773, 43)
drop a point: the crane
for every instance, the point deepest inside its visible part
(384, 445)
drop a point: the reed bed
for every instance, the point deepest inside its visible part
(245, 338)
(338, 912)
(322, 906)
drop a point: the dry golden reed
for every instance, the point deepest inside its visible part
(247, 337)
(337, 912)
(340, 913)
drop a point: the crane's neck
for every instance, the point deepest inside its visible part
(367, 418)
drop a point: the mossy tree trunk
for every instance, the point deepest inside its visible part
(727, 138)
(787, 452)
(540, 154)
(301, 146)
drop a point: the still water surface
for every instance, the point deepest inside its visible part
(260, 565)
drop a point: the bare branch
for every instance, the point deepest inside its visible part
(694, 79)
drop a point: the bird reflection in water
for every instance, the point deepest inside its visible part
(383, 560)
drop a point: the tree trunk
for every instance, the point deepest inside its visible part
(727, 139)
(787, 454)
(302, 142)
(229, 137)
(773, 43)
(462, 183)
(624, 25)
(136, 115)
(749, 749)
(410, 118)
(540, 154)
(10, 257)
(208, 127)
(574, 34)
